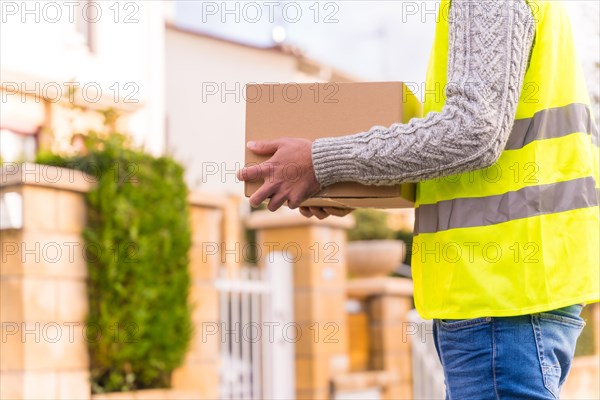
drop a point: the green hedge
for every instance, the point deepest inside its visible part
(137, 241)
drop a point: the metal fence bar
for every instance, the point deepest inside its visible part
(236, 360)
(256, 344)
(267, 347)
(245, 340)
(245, 305)
(240, 286)
(225, 354)
(256, 363)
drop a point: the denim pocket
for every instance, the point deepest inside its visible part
(556, 334)
(455, 324)
(567, 315)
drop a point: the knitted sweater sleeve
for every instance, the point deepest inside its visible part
(489, 45)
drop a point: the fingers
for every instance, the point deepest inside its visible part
(276, 202)
(338, 212)
(254, 172)
(324, 212)
(264, 147)
(319, 212)
(263, 193)
(250, 173)
(262, 170)
(294, 202)
(306, 212)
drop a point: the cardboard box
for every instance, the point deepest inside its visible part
(315, 110)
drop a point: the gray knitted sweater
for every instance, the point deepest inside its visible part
(489, 47)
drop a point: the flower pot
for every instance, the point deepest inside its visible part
(369, 258)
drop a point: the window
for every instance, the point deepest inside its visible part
(17, 147)
(86, 15)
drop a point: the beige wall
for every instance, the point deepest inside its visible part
(211, 130)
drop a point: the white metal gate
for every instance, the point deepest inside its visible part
(256, 307)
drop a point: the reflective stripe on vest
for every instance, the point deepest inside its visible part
(482, 211)
(522, 235)
(552, 123)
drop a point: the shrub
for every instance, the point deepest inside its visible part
(407, 238)
(370, 225)
(137, 240)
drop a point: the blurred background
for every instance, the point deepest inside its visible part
(177, 69)
(153, 91)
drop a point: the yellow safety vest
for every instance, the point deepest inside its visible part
(521, 236)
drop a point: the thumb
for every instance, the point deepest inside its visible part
(264, 147)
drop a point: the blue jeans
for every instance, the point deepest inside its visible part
(523, 357)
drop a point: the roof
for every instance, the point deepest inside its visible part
(286, 49)
(305, 64)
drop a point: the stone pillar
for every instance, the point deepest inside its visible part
(232, 251)
(200, 371)
(317, 251)
(43, 273)
(358, 335)
(388, 301)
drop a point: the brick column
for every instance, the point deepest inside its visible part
(388, 301)
(200, 371)
(43, 274)
(317, 251)
(232, 250)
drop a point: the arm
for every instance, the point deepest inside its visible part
(489, 47)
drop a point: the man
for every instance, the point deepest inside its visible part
(506, 159)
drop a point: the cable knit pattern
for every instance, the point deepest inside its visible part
(489, 47)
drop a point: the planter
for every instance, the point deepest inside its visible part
(149, 394)
(369, 258)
